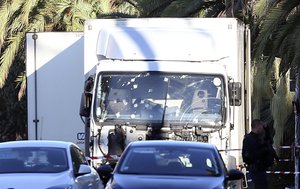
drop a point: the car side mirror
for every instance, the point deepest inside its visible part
(84, 169)
(234, 174)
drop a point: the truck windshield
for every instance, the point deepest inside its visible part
(156, 97)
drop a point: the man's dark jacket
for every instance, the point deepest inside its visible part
(257, 152)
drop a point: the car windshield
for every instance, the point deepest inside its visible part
(33, 160)
(167, 161)
(156, 97)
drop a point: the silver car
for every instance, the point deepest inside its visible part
(45, 165)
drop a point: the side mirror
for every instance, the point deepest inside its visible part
(85, 104)
(86, 97)
(105, 173)
(234, 174)
(84, 169)
(235, 93)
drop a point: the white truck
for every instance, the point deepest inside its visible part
(147, 79)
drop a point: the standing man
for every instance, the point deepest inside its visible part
(258, 154)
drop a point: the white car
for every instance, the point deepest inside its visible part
(40, 164)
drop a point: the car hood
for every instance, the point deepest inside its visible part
(34, 180)
(170, 182)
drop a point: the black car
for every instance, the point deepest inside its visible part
(171, 165)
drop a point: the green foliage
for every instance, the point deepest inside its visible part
(272, 22)
(279, 34)
(184, 8)
(275, 34)
(19, 17)
(276, 40)
(13, 111)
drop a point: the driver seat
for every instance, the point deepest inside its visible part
(199, 101)
(119, 101)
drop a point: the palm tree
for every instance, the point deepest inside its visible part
(171, 8)
(278, 36)
(274, 25)
(277, 44)
(17, 18)
(68, 15)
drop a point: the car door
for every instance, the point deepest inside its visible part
(86, 181)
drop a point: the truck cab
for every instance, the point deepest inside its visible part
(166, 79)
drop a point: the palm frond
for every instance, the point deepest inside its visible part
(63, 13)
(285, 43)
(8, 56)
(38, 23)
(214, 10)
(105, 6)
(63, 7)
(71, 14)
(287, 54)
(6, 12)
(260, 8)
(21, 84)
(26, 9)
(281, 101)
(274, 18)
(183, 8)
(263, 6)
(152, 8)
(296, 40)
(123, 10)
(79, 12)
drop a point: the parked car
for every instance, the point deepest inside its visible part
(170, 164)
(43, 164)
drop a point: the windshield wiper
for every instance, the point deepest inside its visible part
(165, 105)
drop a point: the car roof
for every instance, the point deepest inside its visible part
(36, 143)
(149, 143)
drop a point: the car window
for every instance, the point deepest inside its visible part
(171, 161)
(78, 158)
(33, 160)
